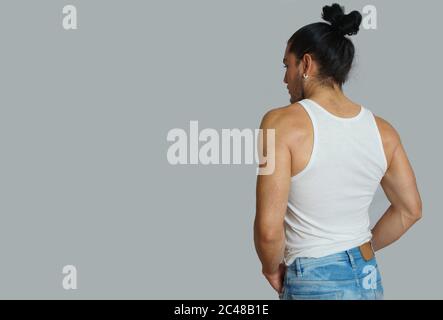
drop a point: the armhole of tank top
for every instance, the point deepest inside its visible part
(314, 144)
(380, 143)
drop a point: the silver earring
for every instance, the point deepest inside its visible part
(305, 76)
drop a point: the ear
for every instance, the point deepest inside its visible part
(307, 63)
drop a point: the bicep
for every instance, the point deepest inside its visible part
(273, 187)
(399, 182)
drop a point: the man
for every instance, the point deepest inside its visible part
(311, 229)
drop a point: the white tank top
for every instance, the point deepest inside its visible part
(329, 199)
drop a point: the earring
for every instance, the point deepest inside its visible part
(305, 76)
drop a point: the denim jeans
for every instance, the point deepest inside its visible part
(340, 276)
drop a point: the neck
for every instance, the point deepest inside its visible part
(326, 94)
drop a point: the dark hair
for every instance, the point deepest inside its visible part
(328, 44)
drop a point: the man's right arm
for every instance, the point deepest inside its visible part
(400, 187)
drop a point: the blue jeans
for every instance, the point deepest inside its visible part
(340, 276)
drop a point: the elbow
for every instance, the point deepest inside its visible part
(268, 231)
(416, 213)
(410, 216)
(268, 235)
(270, 238)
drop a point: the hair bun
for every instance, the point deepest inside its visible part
(344, 24)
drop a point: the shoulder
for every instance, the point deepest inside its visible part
(390, 137)
(288, 116)
(291, 124)
(387, 130)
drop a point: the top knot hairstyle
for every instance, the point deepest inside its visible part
(328, 44)
(344, 24)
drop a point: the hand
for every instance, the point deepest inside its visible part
(276, 279)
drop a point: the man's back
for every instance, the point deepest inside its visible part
(294, 128)
(297, 131)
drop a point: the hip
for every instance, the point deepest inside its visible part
(350, 274)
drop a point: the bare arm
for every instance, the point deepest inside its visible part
(399, 185)
(271, 199)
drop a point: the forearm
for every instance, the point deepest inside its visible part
(391, 226)
(270, 252)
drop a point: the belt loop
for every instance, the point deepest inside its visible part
(297, 267)
(351, 259)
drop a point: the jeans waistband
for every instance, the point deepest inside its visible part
(350, 255)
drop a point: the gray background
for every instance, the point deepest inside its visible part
(84, 116)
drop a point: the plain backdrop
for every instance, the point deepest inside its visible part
(84, 115)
